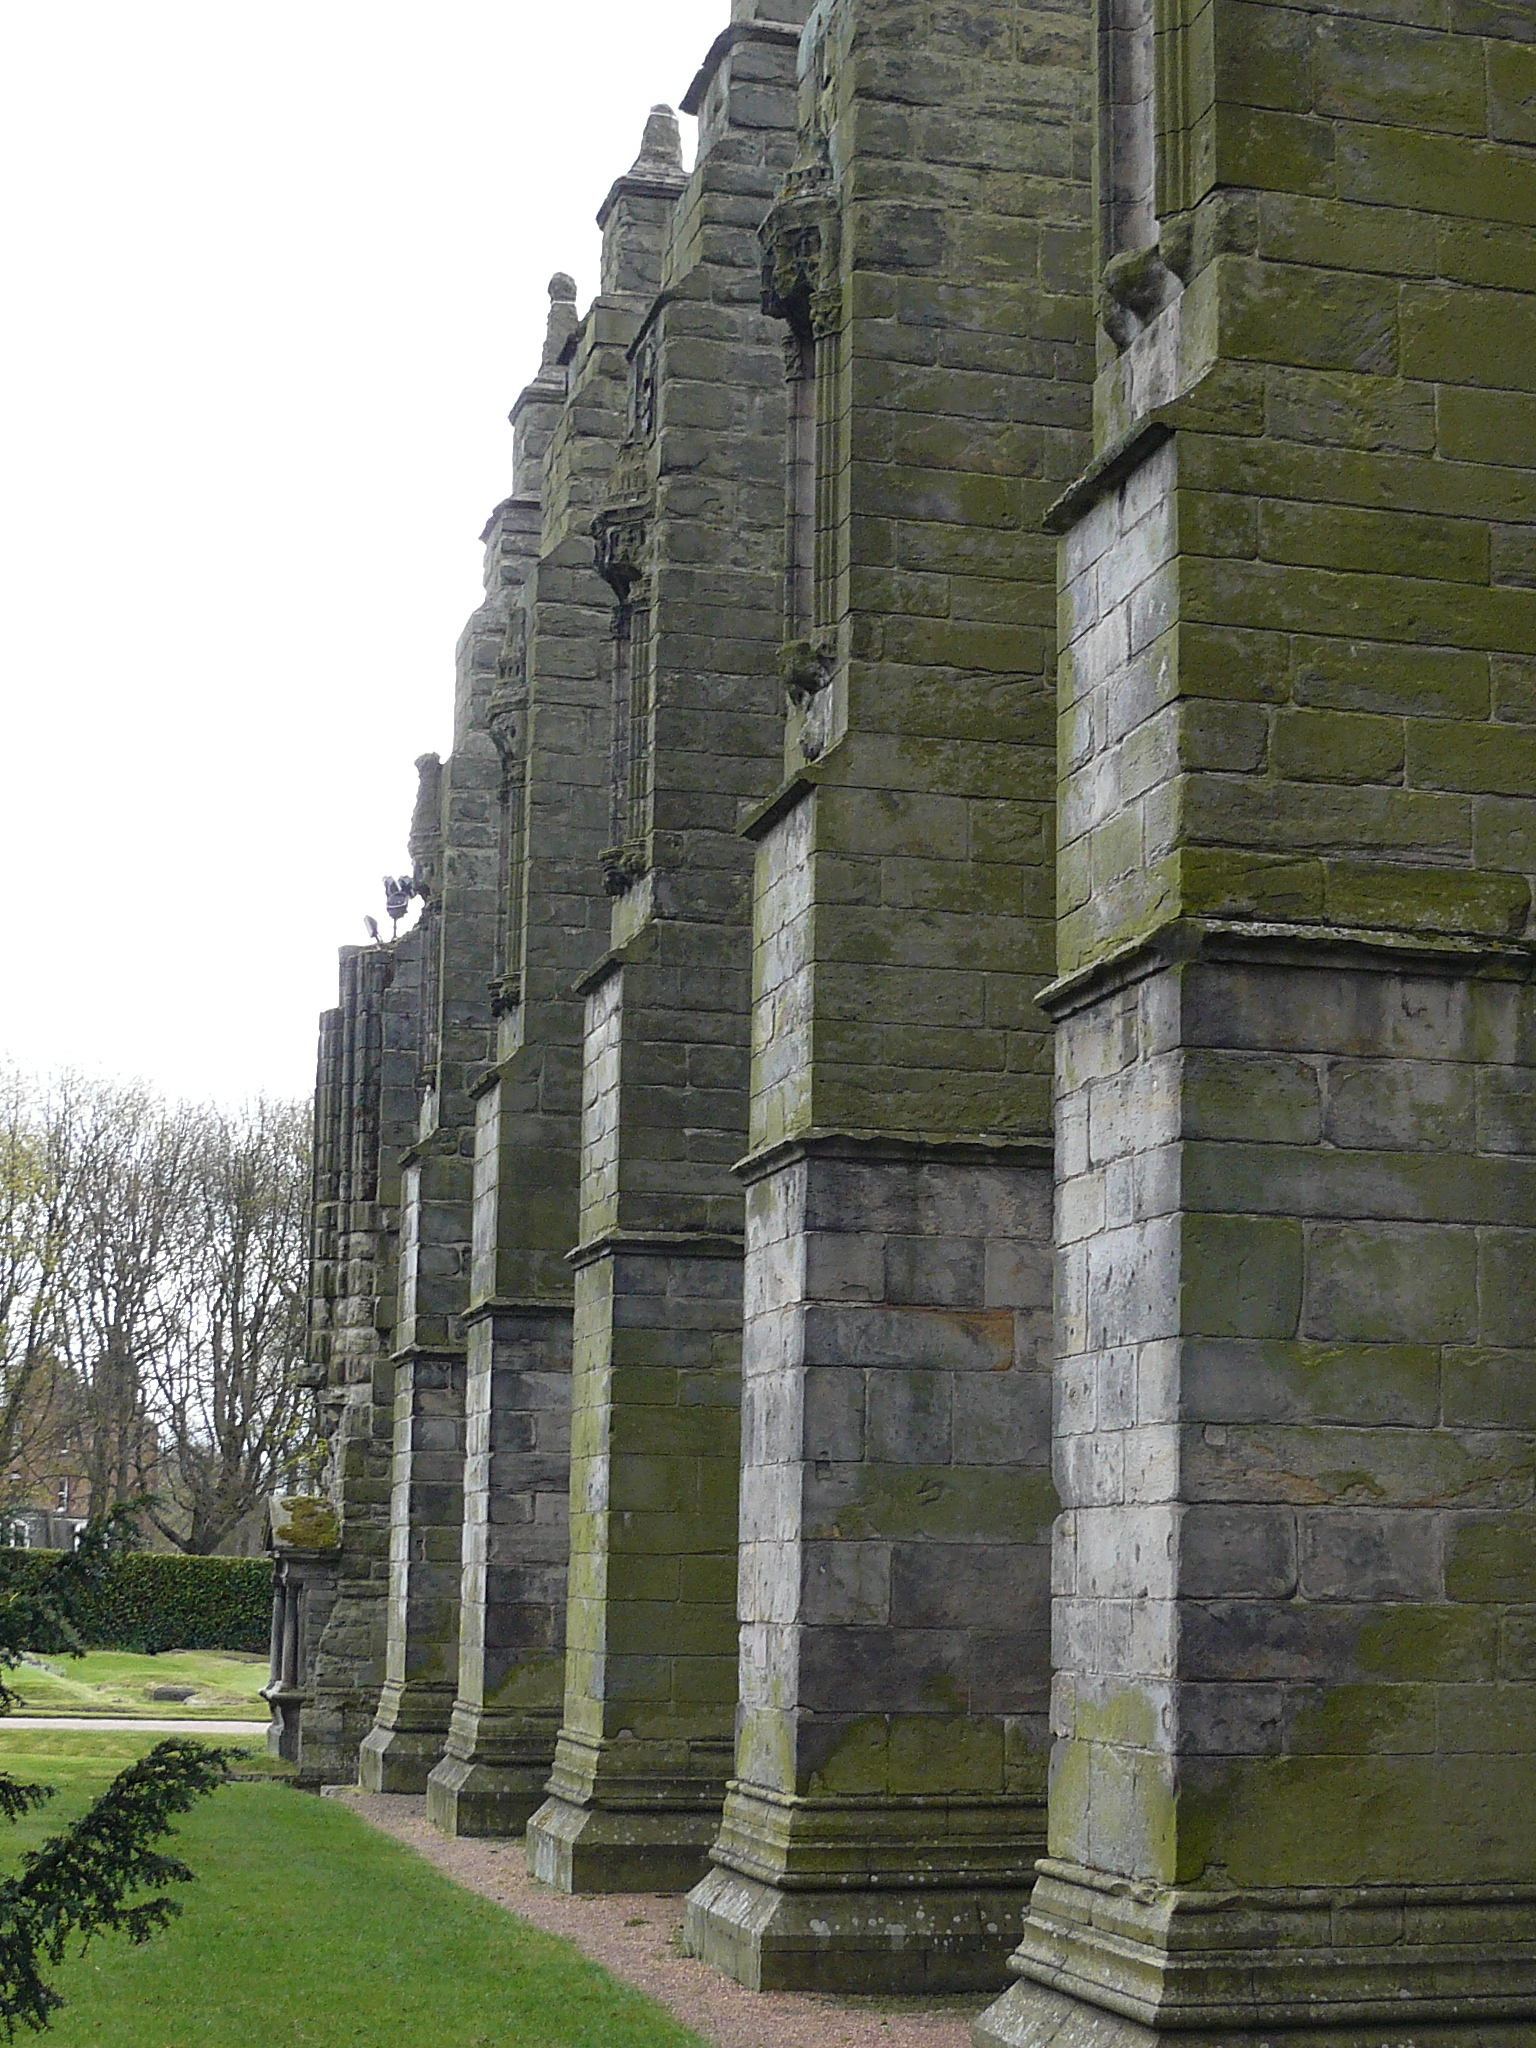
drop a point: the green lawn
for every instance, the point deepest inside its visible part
(113, 1682)
(307, 1928)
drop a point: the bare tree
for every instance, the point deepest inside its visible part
(128, 1162)
(153, 1271)
(222, 1389)
(35, 1194)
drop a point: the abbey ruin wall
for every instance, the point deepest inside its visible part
(925, 1259)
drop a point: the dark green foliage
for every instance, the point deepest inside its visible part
(81, 1882)
(146, 1602)
(77, 1883)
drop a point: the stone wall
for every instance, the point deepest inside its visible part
(691, 541)
(365, 1112)
(1293, 1212)
(928, 259)
(923, 1263)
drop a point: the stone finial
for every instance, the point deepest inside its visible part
(562, 316)
(424, 842)
(635, 214)
(661, 146)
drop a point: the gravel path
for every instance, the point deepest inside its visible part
(633, 1937)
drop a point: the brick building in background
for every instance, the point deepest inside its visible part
(1001, 739)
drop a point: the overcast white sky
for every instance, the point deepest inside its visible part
(272, 276)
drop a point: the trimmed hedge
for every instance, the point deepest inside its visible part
(149, 1602)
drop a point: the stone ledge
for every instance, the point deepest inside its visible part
(597, 1849)
(908, 1147)
(650, 1244)
(890, 1942)
(1168, 1959)
(1107, 472)
(526, 1309)
(1285, 945)
(1030, 2016)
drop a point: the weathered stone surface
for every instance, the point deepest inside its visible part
(545, 719)
(365, 1111)
(887, 1805)
(691, 1181)
(425, 1537)
(1290, 1739)
(511, 1618)
(691, 541)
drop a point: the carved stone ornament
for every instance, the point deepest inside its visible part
(1135, 287)
(620, 533)
(506, 993)
(622, 526)
(425, 841)
(801, 241)
(622, 868)
(501, 724)
(805, 669)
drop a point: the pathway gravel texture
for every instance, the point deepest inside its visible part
(634, 1936)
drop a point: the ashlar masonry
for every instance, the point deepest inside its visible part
(925, 1259)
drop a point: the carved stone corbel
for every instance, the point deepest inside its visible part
(622, 867)
(1136, 286)
(805, 668)
(802, 239)
(506, 992)
(620, 533)
(621, 526)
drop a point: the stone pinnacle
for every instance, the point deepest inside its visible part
(661, 147)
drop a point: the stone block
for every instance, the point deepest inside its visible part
(1364, 1554)
(830, 1941)
(1389, 1282)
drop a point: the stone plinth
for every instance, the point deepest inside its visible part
(426, 1523)
(501, 1738)
(888, 1798)
(645, 1744)
(1292, 1702)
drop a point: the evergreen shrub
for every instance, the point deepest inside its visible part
(148, 1602)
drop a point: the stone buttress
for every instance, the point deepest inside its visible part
(690, 540)
(365, 1115)
(929, 257)
(550, 717)
(455, 845)
(1295, 1695)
